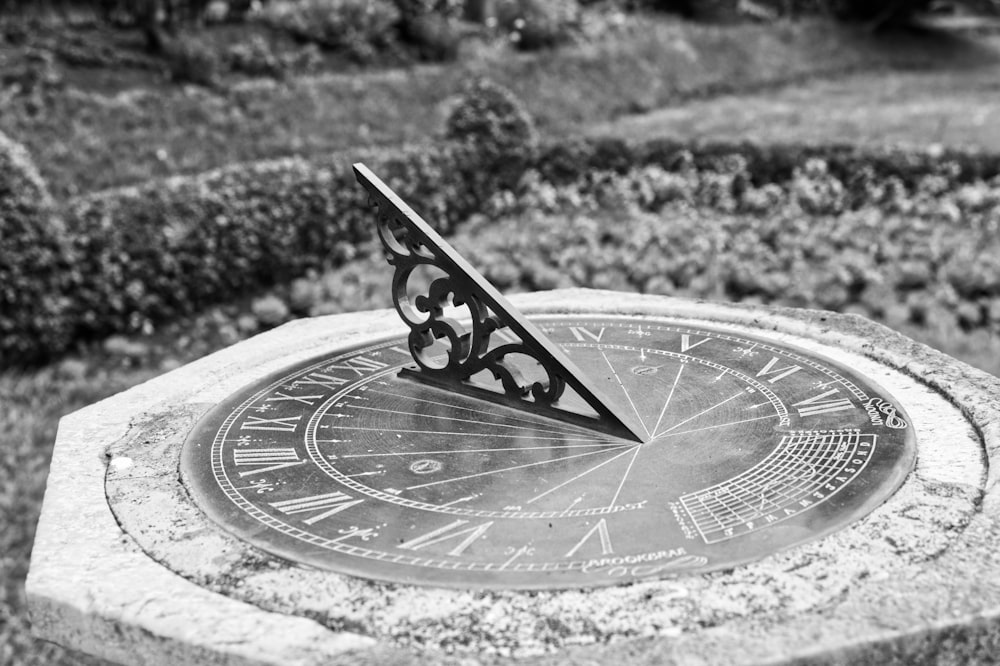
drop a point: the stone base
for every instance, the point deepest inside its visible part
(153, 582)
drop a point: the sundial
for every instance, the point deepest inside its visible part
(550, 478)
(566, 451)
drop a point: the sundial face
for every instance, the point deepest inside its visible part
(750, 446)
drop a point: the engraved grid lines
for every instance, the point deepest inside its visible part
(804, 469)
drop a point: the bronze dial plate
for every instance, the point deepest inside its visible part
(343, 464)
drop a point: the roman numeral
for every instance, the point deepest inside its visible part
(265, 460)
(280, 424)
(359, 365)
(601, 528)
(328, 504)
(779, 373)
(581, 334)
(304, 399)
(319, 379)
(822, 403)
(449, 531)
(686, 343)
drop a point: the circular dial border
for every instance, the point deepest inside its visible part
(754, 446)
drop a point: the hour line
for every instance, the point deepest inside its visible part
(624, 477)
(460, 434)
(523, 550)
(704, 411)
(451, 451)
(669, 396)
(578, 476)
(507, 469)
(615, 373)
(452, 418)
(467, 498)
(580, 429)
(717, 425)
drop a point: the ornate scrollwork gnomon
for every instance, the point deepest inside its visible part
(411, 243)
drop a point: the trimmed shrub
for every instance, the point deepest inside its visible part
(191, 61)
(170, 248)
(538, 24)
(255, 58)
(33, 261)
(435, 37)
(494, 134)
(359, 28)
(128, 259)
(491, 118)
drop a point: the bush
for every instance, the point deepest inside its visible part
(495, 134)
(256, 58)
(359, 28)
(33, 262)
(436, 37)
(410, 9)
(878, 12)
(538, 24)
(191, 61)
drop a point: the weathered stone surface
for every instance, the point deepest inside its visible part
(918, 580)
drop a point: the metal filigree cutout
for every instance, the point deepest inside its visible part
(496, 332)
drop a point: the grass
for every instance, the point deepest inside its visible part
(953, 106)
(30, 407)
(86, 139)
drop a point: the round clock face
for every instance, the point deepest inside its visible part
(344, 464)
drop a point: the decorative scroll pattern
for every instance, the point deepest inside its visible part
(408, 247)
(411, 243)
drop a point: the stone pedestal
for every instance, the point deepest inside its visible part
(127, 568)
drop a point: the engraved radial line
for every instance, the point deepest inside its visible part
(449, 451)
(569, 426)
(669, 396)
(702, 412)
(452, 418)
(717, 425)
(615, 373)
(462, 434)
(578, 476)
(624, 477)
(506, 469)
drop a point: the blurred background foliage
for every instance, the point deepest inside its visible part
(433, 29)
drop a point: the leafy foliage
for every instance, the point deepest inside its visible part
(33, 258)
(357, 27)
(190, 60)
(538, 24)
(494, 134)
(903, 236)
(170, 248)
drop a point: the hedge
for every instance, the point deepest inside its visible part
(169, 248)
(33, 261)
(134, 257)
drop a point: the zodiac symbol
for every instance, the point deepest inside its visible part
(426, 466)
(260, 485)
(883, 413)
